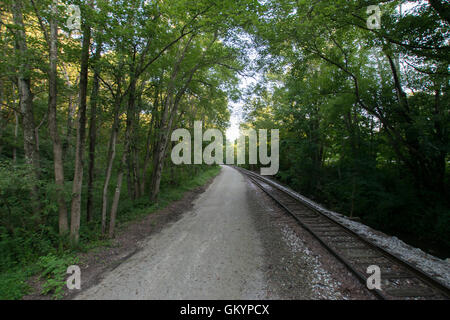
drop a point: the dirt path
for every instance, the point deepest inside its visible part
(213, 252)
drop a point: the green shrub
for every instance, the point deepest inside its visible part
(13, 284)
(53, 269)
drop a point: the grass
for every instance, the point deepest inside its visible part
(51, 268)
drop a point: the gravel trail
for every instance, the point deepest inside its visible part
(213, 252)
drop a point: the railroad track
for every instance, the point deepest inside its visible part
(399, 279)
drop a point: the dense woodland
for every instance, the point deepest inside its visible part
(86, 114)
(363, 113)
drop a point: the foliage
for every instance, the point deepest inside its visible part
(13, 285)
(24, 255)
(86, 115)
(363, 114)
(53, 269)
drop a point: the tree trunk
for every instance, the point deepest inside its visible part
(110, 160)
(135, 157)
(115, 204)
(158, 154)
(68, 142)
(131, 117)
(53, 125)
(150, 141)
(81, 137)
(123, 162)
(135, 163)
(16, 124)
(26, 100)
(130, 181)
(147, 155)
(161, 148)
(93, 137)
(16, 135)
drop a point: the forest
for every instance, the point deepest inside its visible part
(363, 112)
(90, 92)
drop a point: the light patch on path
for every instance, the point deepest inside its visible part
(213, 252)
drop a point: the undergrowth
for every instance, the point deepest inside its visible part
(45, 256)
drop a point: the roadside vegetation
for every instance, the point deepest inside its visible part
(48, 258)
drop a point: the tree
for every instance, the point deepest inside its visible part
(81, 132)
(26, 98)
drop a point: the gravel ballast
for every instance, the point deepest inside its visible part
(429, 264)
